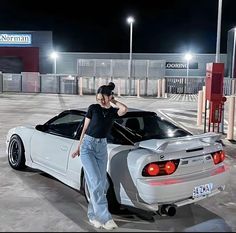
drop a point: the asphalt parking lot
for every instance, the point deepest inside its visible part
(32, 201)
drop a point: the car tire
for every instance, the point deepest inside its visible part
(113, 205)
(16, 153)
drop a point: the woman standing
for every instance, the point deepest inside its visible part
(92, 149)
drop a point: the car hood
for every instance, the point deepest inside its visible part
(26, 126)
(20, 128)
(180, 143)
(29, 126)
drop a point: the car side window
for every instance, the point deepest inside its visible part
(126, 131)
(156, 127)
(66, 125)
(119, 135)
(129, 130)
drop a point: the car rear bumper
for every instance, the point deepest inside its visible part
(179, 191)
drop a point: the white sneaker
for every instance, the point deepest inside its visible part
(95, 223)
(109, 225)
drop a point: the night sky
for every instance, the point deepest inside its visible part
(161, 26)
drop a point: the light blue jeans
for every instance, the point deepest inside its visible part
(93, 155)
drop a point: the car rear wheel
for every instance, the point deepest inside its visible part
(16, 153)
(113, 204)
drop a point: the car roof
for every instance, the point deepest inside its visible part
(132, 112)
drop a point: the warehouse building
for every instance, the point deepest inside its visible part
(29, 51)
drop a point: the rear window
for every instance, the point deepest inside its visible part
(129, 130)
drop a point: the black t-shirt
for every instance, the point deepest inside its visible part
(101, 120)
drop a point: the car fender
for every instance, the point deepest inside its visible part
(124, 166)
(25, 133)
(138, 158)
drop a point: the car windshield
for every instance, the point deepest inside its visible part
(129, 130)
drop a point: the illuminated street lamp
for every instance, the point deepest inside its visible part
(130, 20)
(54, 56)
(188, 57)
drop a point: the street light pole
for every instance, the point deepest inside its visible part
(218, 31)
(55, 65)
(188, 57)
(187, 67)
(54, 56)
(218, 51)
(130, 20)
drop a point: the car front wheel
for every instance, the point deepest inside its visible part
(16, 153)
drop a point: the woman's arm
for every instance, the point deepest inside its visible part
(86, 123)
(122, 107)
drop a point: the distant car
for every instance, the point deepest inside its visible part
(153, 164)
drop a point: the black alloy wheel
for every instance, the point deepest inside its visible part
(16, 153)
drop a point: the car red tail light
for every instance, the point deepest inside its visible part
(222, 155)
(170, 167)
(218, 156)
(160, 168)
(153, 169)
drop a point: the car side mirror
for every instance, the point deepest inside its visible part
(42, 128)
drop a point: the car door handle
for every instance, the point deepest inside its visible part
(64, 148)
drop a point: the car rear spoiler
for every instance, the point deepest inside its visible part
(160, 145)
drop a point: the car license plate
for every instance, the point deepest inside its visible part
(202, 190)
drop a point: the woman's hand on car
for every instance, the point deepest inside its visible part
(76, 153)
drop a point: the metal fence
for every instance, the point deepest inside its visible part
(182, 85)
(116, 68)
(73, 83)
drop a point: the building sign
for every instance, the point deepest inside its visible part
(15, 39)
(181, 65)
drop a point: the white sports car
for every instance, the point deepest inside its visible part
(153, 164)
